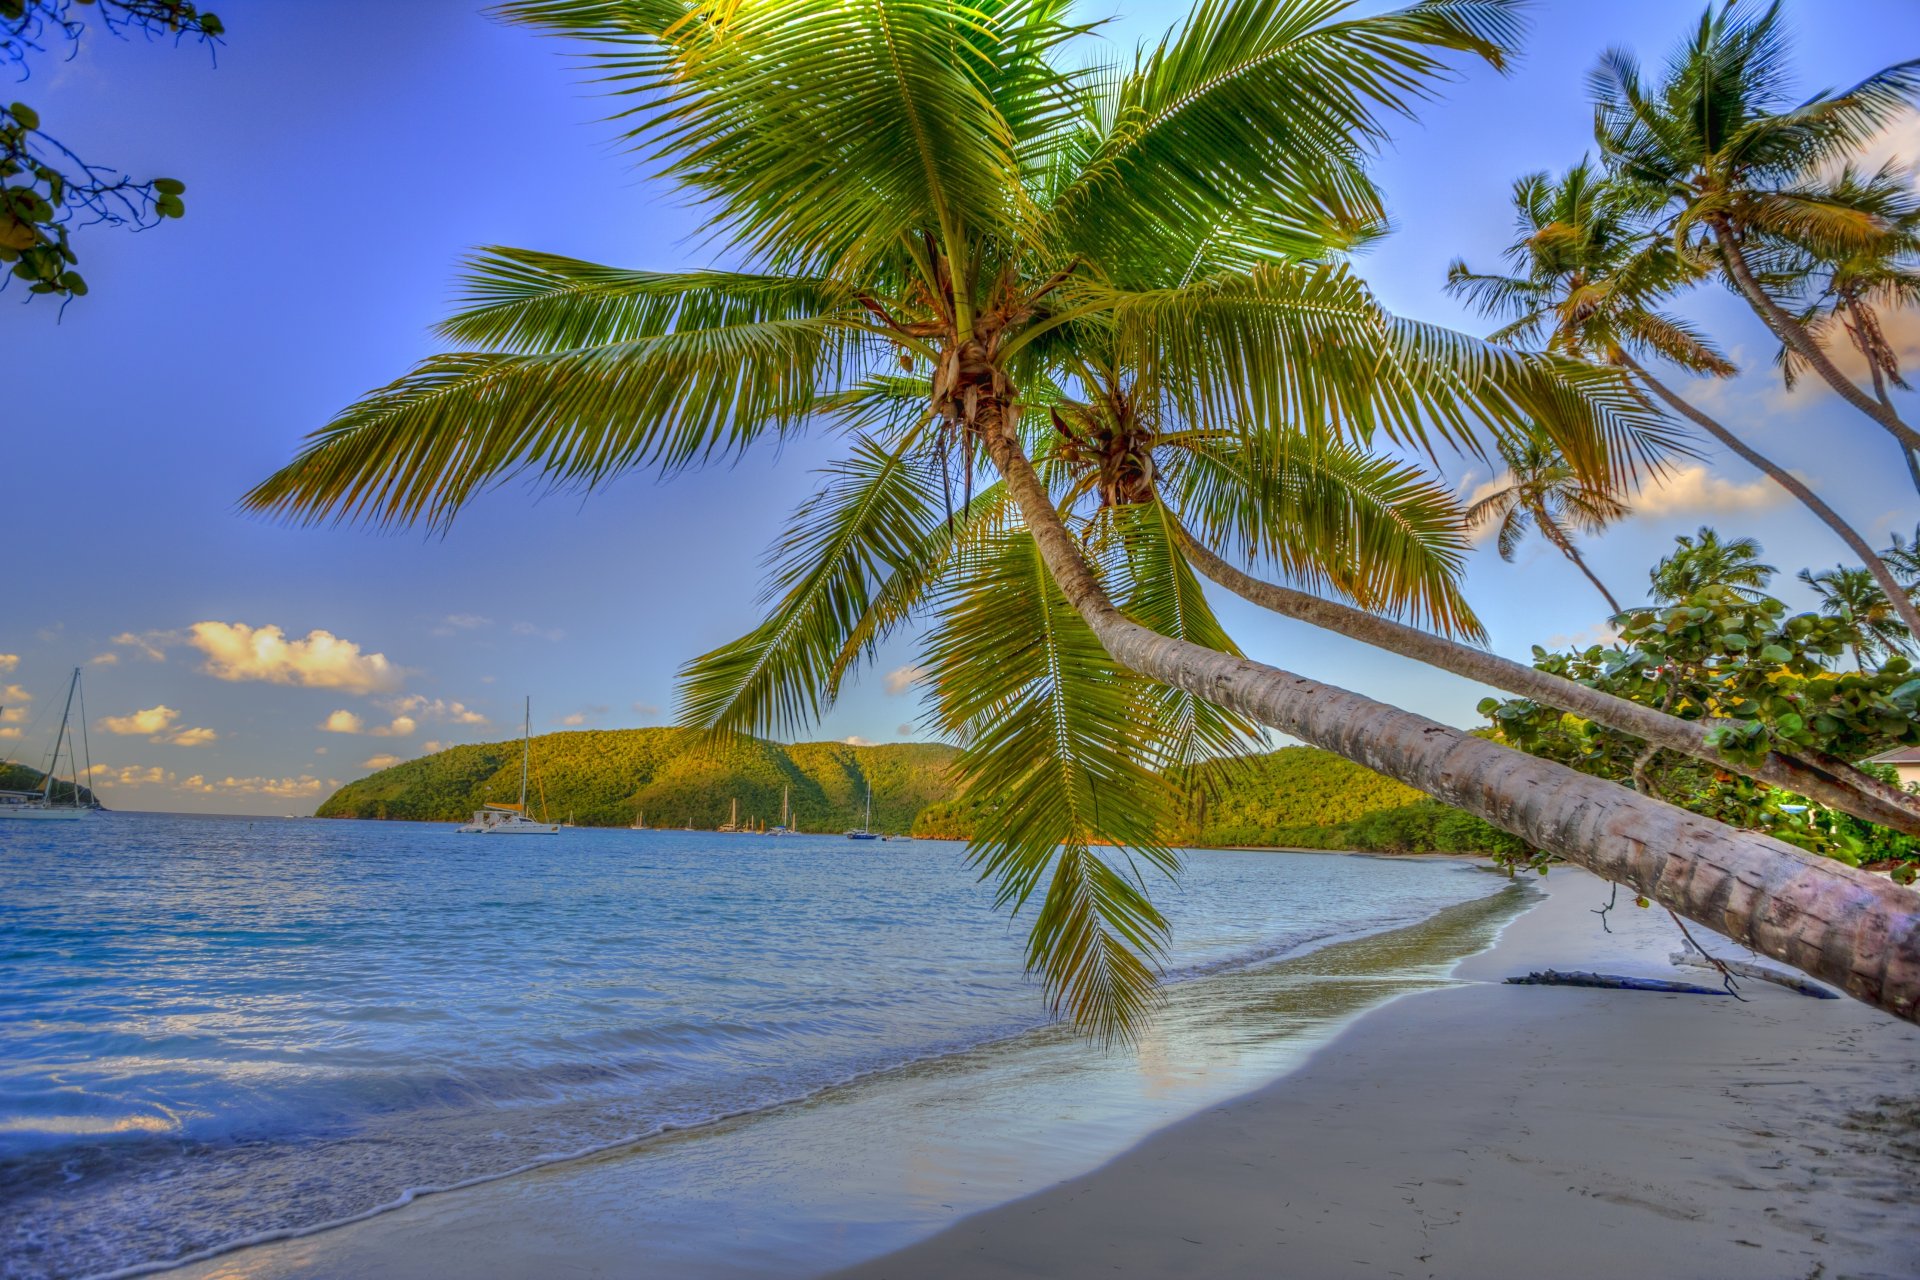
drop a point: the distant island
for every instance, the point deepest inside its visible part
(20, 777)
(1295, 797)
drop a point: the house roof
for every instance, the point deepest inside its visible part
(1899, 755)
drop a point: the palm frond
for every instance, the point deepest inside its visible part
(1052, 740)
(871, 522)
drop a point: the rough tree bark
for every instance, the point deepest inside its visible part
(1896, 594)
(1840, 925)
(1830, 781)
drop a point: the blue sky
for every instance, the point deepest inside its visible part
(341, 158)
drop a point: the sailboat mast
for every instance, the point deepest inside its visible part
(526, 750)
(53, 765)
(786, 793)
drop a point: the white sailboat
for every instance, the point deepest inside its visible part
(786, 818)
(40, 806)
(865, 830)
(512, 819)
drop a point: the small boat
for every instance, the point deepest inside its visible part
(639, 821)
(511, 819)
(784, 829)
(863, 831)
(40, 806)
(732, 825)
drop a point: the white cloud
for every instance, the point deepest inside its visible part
(342, 721)
(461, 622)
(855, 740)
(901, 679)
(414, 704)
(402, 726)
(9, 731)
(574, 720)
(9, 662)
(134, 775)
(13, 700)
(1598, 633)
(433, 745)
(152, 720)
(151, 645)
(382, 761)
(107, 659)
(1696, 491)
(195, 737)
(236, 651)
(285, 788)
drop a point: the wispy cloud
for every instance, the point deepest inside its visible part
(416, 705)
(904, 730)
(13, 704)
(106, 659)
(382, 761)
(901, 679)
(198, 736)
(151, 645)
(646, 709)
(322, 660)
(285, 788)
(455, 622)
(543, 633)
(9, 662)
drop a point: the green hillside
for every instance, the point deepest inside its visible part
(18, 777)
(1297, 796)
(606, 777)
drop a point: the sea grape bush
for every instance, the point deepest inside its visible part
(1764, 680)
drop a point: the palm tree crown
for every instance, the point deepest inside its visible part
(1541, 490)
(1852, 595)
(946, 244)
(1704, 560)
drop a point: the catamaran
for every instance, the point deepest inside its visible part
(40, 805)
(511, 819)
(865, 830)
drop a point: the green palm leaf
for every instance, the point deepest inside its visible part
(1050, 739)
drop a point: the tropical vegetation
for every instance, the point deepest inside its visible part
(1081, 330)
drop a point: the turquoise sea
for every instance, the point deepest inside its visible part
(215, 1029)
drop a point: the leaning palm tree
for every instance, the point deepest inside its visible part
(1719, 145)
(1540, 490)
(1856, 599)
(1704, 560)
(1587, 280)
(1850, 289)
(941, 237)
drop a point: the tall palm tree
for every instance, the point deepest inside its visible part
(920, 193)
(1541, 490)
(1854, 597)
(1720, 146)
(1589, 282)
(1903, 557)
(1704, 560)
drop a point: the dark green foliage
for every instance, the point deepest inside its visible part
(677, 779)
(18, 777)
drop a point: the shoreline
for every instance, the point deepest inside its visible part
(874, 1164)
(1487, 1130)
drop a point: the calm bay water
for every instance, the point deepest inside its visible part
(212, 1029)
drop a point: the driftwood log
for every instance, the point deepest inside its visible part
(1758, 972)
(1613, 982)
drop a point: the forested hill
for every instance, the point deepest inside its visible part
(606, 777)
(1296, 796)
(18, 777)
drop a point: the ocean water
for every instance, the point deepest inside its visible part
(217, 1029)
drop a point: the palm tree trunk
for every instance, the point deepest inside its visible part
(1903, 603)
(1551, 532)
(1828, 780)
(1844, 926)
(1880, 394)
(1794, 335)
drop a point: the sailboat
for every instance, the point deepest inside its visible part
(511, 819)
(40, 805)
(785, 828)
(864, 830)
(639, 821)
(732, 825)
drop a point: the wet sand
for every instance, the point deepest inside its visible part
(1496, 1131)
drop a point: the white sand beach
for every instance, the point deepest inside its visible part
(1500, 1131)
(1474, 1130)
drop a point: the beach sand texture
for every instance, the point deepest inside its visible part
(1475, 1131)
(1498, 1131)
